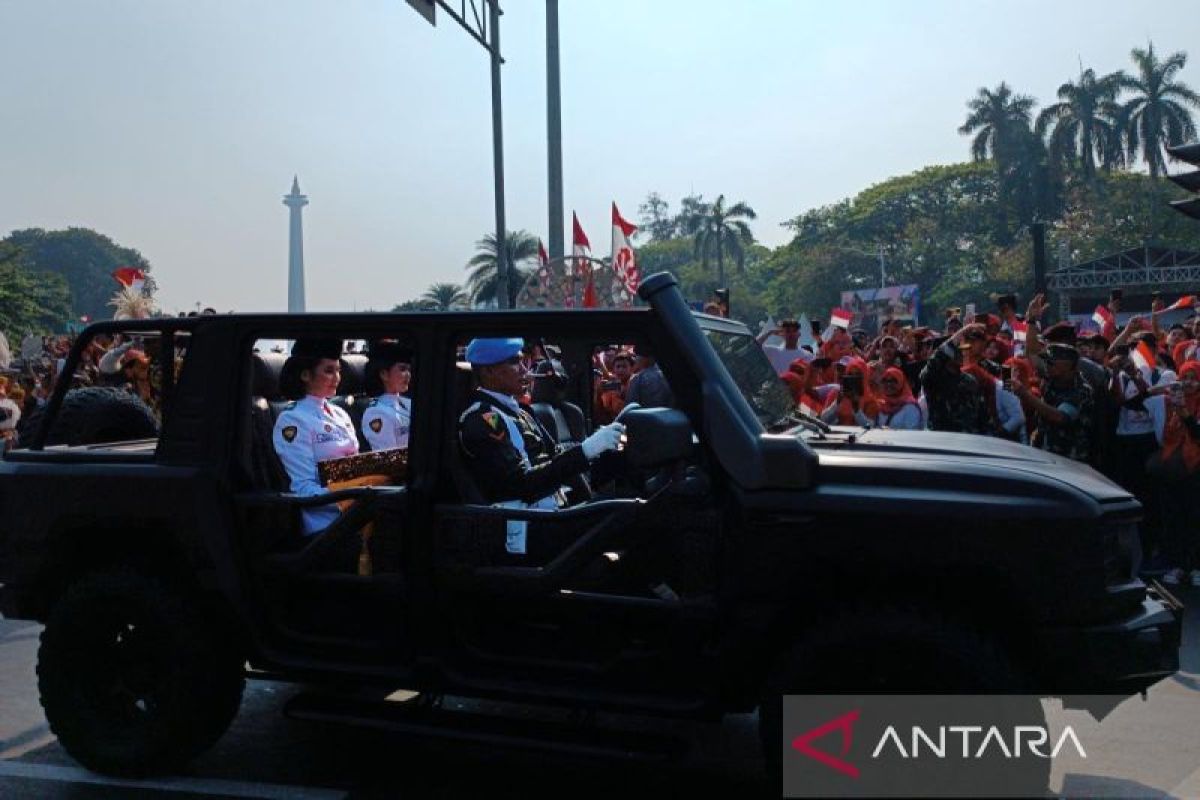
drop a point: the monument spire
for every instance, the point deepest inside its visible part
(295, 202)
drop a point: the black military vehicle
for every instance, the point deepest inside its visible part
(744, 553)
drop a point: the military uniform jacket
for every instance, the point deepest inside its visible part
(386, 421)
(954, 401)
(309, 431)
(506, 469)
(1074, 438)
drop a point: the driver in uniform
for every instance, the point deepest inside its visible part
(513, 460)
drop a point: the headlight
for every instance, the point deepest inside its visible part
(1122, 553)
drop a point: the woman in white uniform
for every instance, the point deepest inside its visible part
(386, 422)
(311, 429)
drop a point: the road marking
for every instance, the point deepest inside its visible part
(202, 786)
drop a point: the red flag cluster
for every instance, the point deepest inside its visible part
(130, 277)
(624, 260)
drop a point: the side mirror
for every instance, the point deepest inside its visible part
(656, 436)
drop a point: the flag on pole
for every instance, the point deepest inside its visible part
(581, 249)
(1187, 301)
(1020, 331)
(1102, 316)
(1143, 356)
(130, 277)
(840, 318)
(623, 259)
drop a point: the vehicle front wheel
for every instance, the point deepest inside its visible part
(133, 679)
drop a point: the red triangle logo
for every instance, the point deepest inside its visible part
(844, 723)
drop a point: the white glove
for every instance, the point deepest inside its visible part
(603, 439)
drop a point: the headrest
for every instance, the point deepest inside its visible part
(354, 372)
(267, 367)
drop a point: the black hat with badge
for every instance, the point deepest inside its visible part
(305, 355)
(384, 354)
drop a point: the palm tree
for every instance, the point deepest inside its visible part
(444, 297)
(1085, 126)
(483, 282)
(1157, 116)
(723, 229)
(1000, 121)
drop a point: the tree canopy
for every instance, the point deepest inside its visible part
(30, 300)
(84, 258)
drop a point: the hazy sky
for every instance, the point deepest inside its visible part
(175, 126)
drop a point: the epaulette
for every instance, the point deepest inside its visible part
(470, 410)
(291, 406)
(374, 401)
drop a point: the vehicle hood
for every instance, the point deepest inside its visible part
(957, 458)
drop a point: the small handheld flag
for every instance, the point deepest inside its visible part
(1102, 316)
(1020, 331)
(840, 318)
(1143, 356)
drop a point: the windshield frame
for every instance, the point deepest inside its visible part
(776, 415)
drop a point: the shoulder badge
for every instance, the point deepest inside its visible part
(498, 429)
(289, 433)
(290, 406)
(376, 425)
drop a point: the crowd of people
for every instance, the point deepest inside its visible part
(30, 372)
(1124, 400)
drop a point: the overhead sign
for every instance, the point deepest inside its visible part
(425, 8)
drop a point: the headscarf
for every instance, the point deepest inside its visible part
(867, 403)
(892, 405)
(1175, 433)
(1180, 353)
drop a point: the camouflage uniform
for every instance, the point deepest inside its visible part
(954, 400)
(1073, 439)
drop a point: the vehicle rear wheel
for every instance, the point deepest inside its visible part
(883, 651)
(133, 679)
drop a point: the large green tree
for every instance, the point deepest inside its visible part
(1158, 114)
(29, 300)
(84, 258)
(483, 275)
(724, 230)
(1083, 129)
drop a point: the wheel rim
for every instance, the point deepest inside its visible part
(126, 678)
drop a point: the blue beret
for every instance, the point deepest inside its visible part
(483, 352)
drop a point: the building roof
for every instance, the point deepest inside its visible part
(1140, 266)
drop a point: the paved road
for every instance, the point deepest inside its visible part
(1146, 748)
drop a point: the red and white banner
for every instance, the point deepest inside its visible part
(1187, 301)
(840, 318)
(1020, 331)
(581, 248)
(1102, 316)
(1143, 356)
(623, 260)
(130, 277)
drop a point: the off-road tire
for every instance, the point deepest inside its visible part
(134, 678)
(94, 415)
(882, 651)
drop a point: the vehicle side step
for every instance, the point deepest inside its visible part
(543, 735)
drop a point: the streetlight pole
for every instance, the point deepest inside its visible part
(882, 272)
(503, 300)
(554, 131)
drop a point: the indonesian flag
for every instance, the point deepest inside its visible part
(1143, 356)
(1020, 330)
(1102, 316)
(623, 259)
(840, 318)
(807, 409)
(1187, 301)
(580, 246)
(130, 277)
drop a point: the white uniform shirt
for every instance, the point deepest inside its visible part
(307, 432)
(386, 421)
(781, 356)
